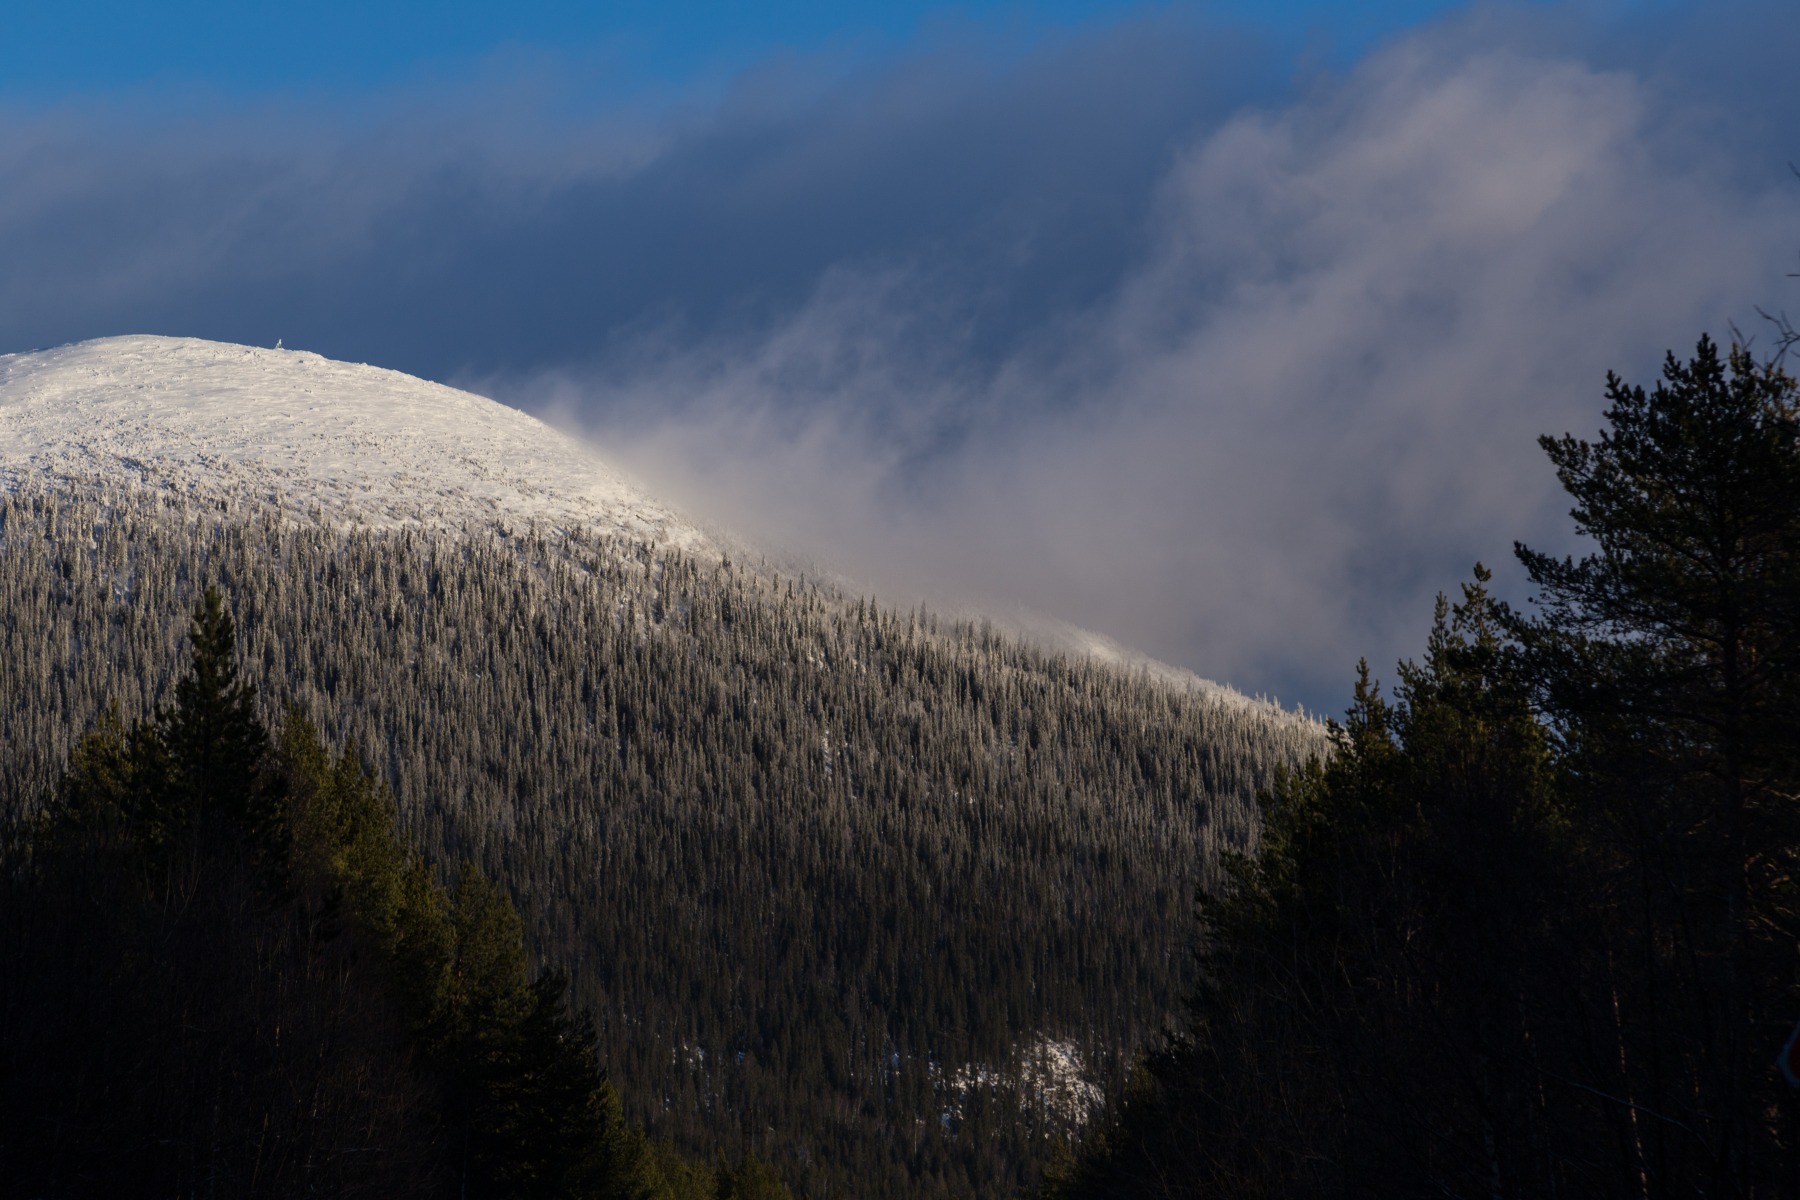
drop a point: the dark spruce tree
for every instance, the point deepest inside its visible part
(214, 732)
(227, 975)
(170, 1023)
(1668, 663)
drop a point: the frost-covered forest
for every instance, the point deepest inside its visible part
(886, 900)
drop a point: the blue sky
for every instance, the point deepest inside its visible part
(1225, 330)
(55, 51)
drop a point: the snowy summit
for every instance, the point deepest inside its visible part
(353, 445)
(316, 438)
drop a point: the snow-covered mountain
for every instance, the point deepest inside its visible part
(356, 445)
(348, 443)
(718, 791)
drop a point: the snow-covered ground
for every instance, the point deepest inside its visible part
(319, 439)
(1049, 1075)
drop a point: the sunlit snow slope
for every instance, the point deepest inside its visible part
(319, 439)
(353, 445)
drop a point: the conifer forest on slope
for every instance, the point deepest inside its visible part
(888, 902)
(227, 974)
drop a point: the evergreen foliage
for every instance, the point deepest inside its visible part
(1669, 666)
(214, 730)
(1530, 931)
(830, 878)
(752, 1179)
(1368, 1002)
(185, 1012)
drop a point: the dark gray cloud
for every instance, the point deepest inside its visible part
(1132, 328)
(497, 230)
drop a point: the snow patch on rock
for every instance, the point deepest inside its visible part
(1047, 1075)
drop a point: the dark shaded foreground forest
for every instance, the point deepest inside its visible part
(226, 975)
(1533, 929)
(886, 904)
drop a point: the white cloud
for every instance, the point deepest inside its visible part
(1311, 405)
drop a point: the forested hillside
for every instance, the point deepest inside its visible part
(885, 901)
(229, 975)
